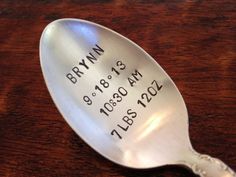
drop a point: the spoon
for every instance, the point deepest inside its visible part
(118, 99)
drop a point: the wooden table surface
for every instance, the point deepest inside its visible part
(193, 40)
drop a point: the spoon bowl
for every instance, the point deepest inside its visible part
(118, 99)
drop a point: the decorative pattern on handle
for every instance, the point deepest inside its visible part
(197, 169)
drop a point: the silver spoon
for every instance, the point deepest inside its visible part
(118, 99)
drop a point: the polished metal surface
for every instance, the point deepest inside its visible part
(115, 96)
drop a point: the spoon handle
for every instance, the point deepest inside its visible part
(206, 166)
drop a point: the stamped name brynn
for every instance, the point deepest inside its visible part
(84, 64)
